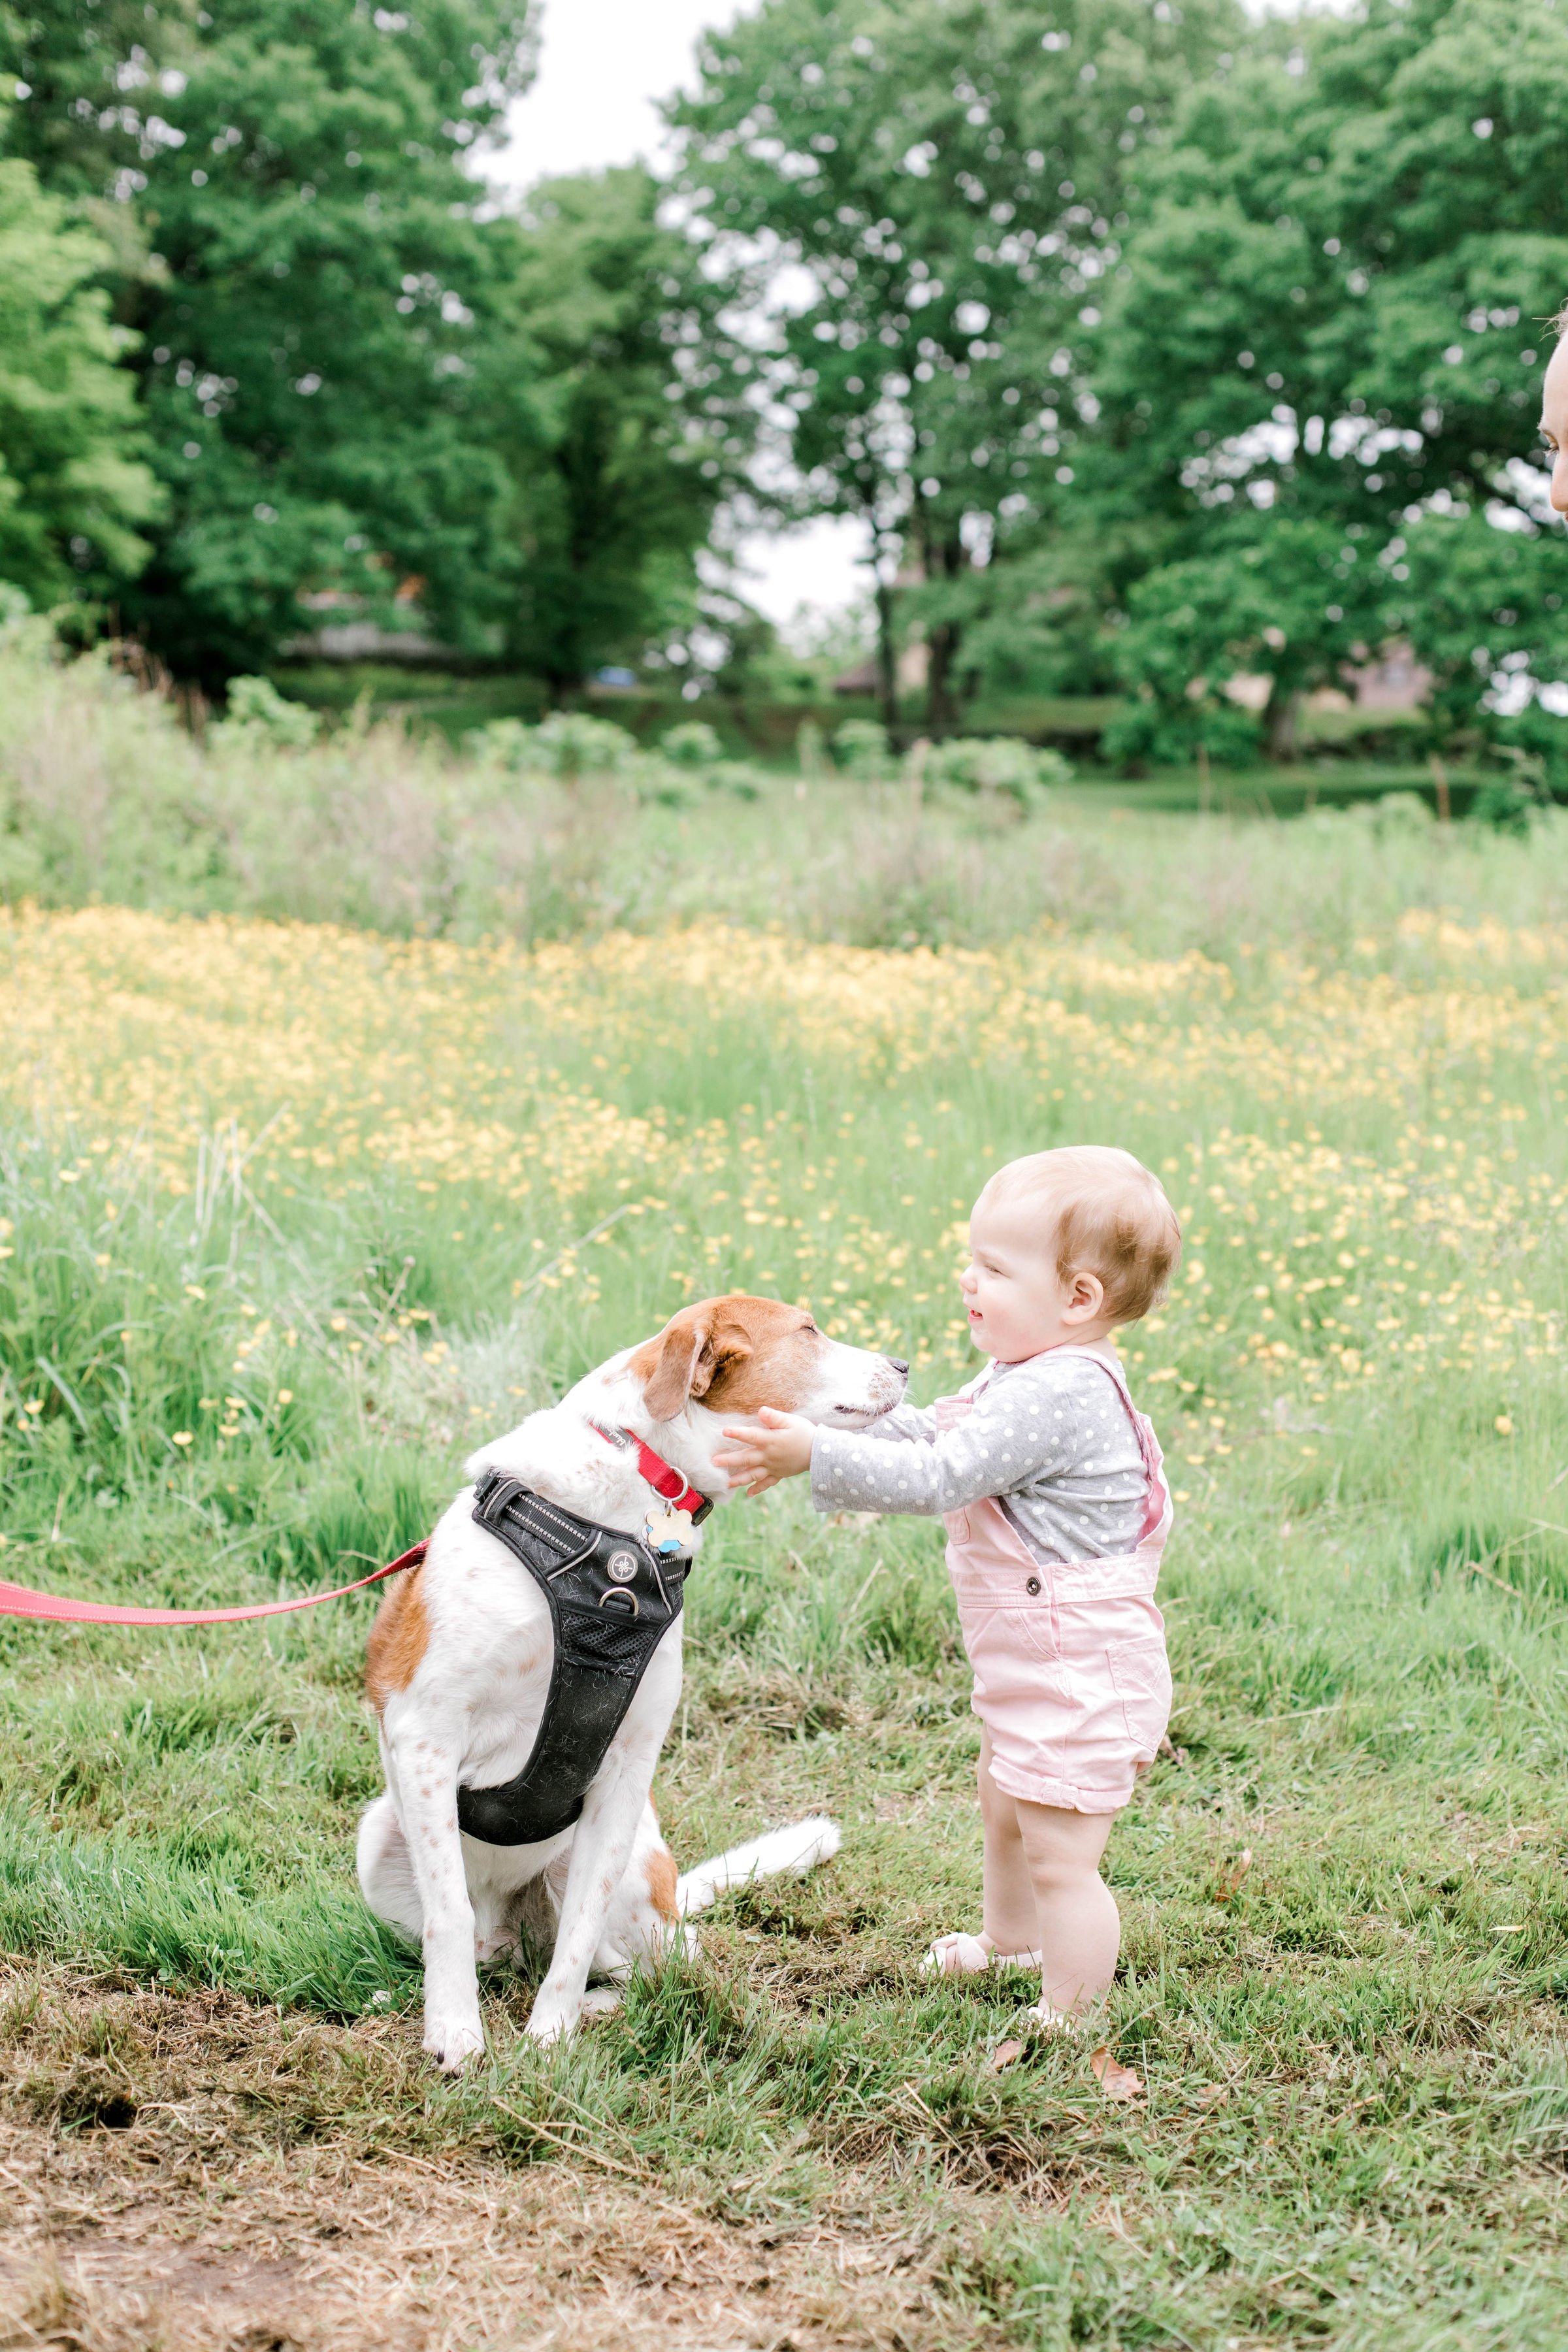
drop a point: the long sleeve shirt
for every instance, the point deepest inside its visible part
(1050, 1439)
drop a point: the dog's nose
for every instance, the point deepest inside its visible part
(899, 1363)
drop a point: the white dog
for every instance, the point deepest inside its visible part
(499, 1666)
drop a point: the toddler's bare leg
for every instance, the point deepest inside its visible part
(1010, 1903)
(1078, 1927)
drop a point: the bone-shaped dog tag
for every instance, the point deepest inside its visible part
(667, 1530)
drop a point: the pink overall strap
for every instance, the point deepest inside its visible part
(1158, 1511)
(21, 1601)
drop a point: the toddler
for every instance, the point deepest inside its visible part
(1057, 1513)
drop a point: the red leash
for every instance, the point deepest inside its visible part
(21, 1601)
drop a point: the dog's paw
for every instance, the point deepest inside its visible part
(452, 2045)
(600, 2001)
(553, 2021)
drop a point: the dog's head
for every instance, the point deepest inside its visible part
(735, 1354)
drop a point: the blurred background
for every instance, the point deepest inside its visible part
(1157, 384)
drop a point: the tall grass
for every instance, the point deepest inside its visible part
(104, 793)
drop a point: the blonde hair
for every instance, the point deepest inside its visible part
(1110, 1217)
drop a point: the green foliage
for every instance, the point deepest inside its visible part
(1291, 606)
(694, 744)
(1363, 229)
(1396, 812)
(736, 777)
(258, 713)
(1139, 340)
(998, 763)
(570, 745)
(75, 493)
(104, 793)
(309, 350)
(1483, 609)
(861, 749)
(1330, 318)
(355, 387)
(1515, 801)
(614, 482)
(96, 81)
(948, 181)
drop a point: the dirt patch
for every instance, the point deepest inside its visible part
(172, 2183)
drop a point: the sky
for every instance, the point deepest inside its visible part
(603, 66)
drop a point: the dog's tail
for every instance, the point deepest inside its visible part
(788, 1852)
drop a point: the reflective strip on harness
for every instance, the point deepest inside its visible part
(612, 1600)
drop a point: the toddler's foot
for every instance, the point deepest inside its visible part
(1054, 2025)
(958, 1955)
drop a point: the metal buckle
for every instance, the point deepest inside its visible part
(493, 1490)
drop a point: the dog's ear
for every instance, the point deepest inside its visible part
(681, 1363)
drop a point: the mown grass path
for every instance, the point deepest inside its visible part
(291, 1215)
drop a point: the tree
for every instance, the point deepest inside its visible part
(93, 76)
(308, 331)
(615, 468)
(1483, 609)
(918, 206)
(1293, 605)
(75, 492)
(1328, 324)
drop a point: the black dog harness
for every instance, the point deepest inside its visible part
(612, 1599)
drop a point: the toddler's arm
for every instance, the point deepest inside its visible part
(1014, 1433)
(1002, 1444)
(757, 1458)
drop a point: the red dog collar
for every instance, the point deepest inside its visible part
(667, 1482)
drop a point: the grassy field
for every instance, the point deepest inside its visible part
(289, 1215)
(105, 794)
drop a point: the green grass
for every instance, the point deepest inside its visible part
(1355, 2121)
(103, 794)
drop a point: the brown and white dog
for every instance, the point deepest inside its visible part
(459, 1663)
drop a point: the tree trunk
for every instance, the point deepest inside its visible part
(944, 639)
(1284, 706)
(941, 708)
(887, 658)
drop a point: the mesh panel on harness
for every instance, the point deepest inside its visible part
(612, 1600)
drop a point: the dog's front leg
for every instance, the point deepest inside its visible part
(601, 1849)
(426, 1782)
(603, 1841)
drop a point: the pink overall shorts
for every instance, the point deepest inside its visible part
(1071, 1679)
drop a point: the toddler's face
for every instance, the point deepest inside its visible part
(1018, 1304)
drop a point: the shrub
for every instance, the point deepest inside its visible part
(258, 714)
(999, 764)
(661, 781)
(861, 749)
(1395, 813)
(568, 744)
(734, 776)
(692, 744)
(1512, 802)
(1165, 734)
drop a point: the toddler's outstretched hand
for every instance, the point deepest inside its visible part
(757, 1458)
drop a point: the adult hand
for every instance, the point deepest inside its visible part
(776, 1445)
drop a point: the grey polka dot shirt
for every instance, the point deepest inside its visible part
(1050, 1439)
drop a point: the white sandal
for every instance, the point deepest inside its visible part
(960, 1955)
